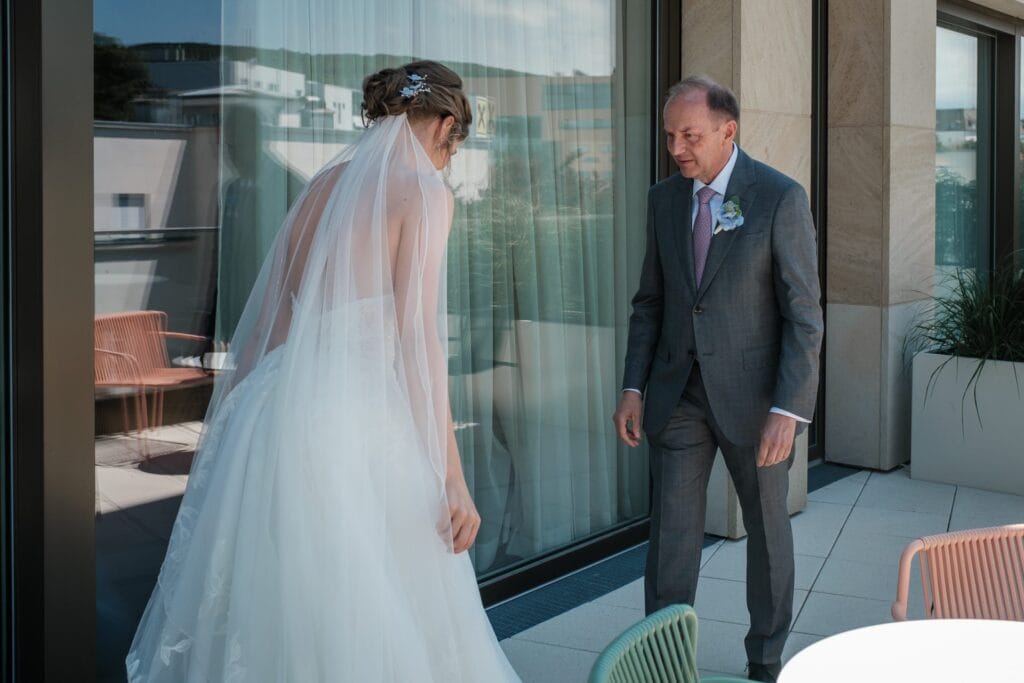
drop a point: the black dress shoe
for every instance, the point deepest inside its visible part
(767, 673)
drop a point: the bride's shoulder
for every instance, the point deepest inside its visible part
(327, 176)
(408, 185)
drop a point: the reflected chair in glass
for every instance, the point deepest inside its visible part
(971, 574)
(131, 353)
(662, 648)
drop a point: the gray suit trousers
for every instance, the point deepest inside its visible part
(681, 458)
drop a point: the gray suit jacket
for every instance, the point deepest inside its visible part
(755, 325)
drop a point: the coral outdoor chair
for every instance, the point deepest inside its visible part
(972, 574)
(131, 353)
(659, 649)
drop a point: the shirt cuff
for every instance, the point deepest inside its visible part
(780, 411)
(635, 391)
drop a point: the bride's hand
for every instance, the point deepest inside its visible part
(464, 517)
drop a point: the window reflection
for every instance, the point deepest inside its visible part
(1018, 241)
(204, 137)
(962, 151)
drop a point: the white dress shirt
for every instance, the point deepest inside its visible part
(720, 184)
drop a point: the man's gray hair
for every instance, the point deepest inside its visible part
(720, 99)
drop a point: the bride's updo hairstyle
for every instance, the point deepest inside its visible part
(421, 90)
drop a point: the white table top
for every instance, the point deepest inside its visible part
(929, 650)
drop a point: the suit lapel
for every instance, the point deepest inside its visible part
(743, 185)
(681, 210)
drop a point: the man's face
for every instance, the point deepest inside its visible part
(699, 141)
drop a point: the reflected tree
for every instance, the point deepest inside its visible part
(119, 78)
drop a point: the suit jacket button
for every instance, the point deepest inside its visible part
(698, 310)
(691, 353)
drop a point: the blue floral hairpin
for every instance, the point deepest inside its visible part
(418, 85)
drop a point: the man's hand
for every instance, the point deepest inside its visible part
(465, 520)
(627, 418)
(776, 440)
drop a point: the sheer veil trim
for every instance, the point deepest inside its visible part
(323, 458)
(360, 259)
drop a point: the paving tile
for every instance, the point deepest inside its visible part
(709, 552)
(720, 647)
(807, 568)
(631, 595)
(974, 508)
(842, 492)
(588, 627)
(896, 522)
(103, 504)
(864, 546)
(821, 474)
(132, 562)
(824, 614)
(705, 673)
(543, 663)
(721, 600)
(864, 579)
(730, 562)
(128, 487)
(116, 531)
(796, 642)
(897, 491)
(857, 579)
(799, 598)
(816, 528)
(156, 517)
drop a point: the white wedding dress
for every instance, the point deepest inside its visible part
(312, 543)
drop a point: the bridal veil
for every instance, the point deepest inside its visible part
(311, 543)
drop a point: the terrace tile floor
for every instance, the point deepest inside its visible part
(848, 541)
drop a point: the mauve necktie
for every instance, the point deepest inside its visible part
(702, 231)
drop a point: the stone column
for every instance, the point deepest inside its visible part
(762, 50)
(881, 220)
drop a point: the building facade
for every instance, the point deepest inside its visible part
(152, 151)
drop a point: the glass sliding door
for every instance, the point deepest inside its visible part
(212, 115)
(963, 150)
(158, 199)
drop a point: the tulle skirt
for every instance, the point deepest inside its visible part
(318, 562)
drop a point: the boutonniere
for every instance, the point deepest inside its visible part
(729, 217)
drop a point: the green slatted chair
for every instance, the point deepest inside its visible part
(660, 649)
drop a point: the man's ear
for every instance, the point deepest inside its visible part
(729, 129)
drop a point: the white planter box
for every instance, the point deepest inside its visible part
(948, 442)
(723, 514)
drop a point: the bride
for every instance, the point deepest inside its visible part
(322, 534)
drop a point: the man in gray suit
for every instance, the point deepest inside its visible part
(723, 344)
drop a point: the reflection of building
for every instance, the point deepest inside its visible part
(155, 216)
(956, 120)
(956, 138)
(574, 114)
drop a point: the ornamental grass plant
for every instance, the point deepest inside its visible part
(980, 316)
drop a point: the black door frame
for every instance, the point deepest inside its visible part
(6, 537)
(48, 470)
(819, 199)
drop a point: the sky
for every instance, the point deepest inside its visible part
(537, 36)
(149, 21)
(956, 70)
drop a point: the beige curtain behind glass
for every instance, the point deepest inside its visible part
(548, 234)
